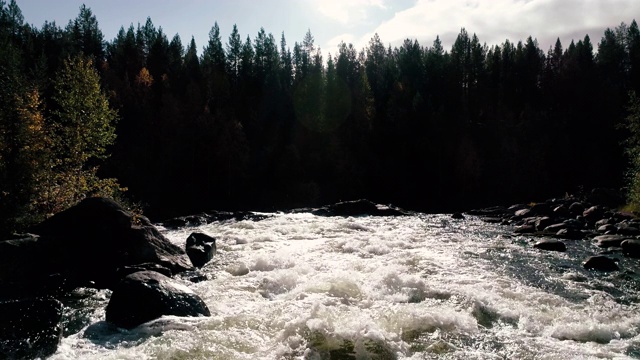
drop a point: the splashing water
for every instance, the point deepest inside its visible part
(298, 286)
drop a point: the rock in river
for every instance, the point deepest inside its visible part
(605, 241)
(631, 248)
(600, 263)
(569, 233)
(200, 248)
(551, 245)
(30, 328)
(147, 295)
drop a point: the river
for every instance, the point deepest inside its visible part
(300, 286)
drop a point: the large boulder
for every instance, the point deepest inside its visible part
(576, 208)
(606, 241)
(543, 222)
(200, 248)
(147, 295)
(593, 214)
(601, 263)
(30, 328)
(87, 244)
(628, 229)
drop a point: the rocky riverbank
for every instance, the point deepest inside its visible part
(591, 217)
(98, 244)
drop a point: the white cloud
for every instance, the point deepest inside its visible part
(332, 45)
(348, 12)
(496, 20)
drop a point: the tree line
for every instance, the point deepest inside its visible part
(253, 122)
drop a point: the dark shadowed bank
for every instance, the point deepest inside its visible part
(95, 244)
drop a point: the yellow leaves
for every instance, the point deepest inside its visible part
(144, 78)
(34, 135)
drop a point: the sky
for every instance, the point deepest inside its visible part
(353, 21)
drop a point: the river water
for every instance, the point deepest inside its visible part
(299, 286)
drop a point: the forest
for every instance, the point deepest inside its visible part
(255, 123)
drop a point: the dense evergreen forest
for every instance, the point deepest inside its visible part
(260, 124)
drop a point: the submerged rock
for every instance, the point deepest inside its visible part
(358, 208)
(30, 328)
(600, 263)
(200, 248)
(147, 295)
(457, 216)
(551, 245)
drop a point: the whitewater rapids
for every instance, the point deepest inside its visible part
(299, 286)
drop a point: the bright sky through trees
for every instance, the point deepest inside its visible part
(352, 21)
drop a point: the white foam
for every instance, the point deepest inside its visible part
(297, 286)
(377, 249)
(237, 269)
(247, 225)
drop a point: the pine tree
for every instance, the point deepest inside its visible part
(86, 35)
(213, 55)
(234, 53)
(286, 64)
(213, 68)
